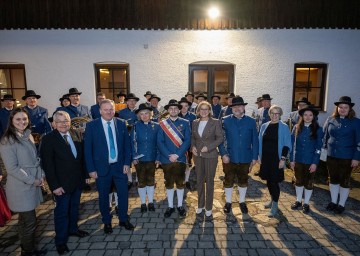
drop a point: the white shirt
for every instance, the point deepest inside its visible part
(201, 128)
(71, 143)
(105, 126)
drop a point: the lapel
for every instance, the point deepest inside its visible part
(61, 139)
(207, 127)
(100, 128)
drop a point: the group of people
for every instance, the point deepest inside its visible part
(144, 134)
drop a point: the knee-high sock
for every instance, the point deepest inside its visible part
(228, 194)
(170, 197)
(187, 173)
(150, 192)
(344, 194)
(242, 194)
(334, 192)
(299, 193)
(142, 194)
(129, 174)
(180, 196)
(307, 196)
(110, 199)
(116, 199)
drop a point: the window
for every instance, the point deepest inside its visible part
(310, 82)
(13, 81)
(213, 77)
(111, 78)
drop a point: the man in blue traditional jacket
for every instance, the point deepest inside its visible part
(239, 151)
(75, 109)
(215, 105)
(225, 111)
(95, 109)
(128, 113)
(8, 104)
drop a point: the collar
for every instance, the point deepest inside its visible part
(74, 105)
(8, 109)
(104, 122)
(31, 107)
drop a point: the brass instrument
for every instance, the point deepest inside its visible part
(290, 124)
(163, 113)
(79, 123)
(37, 138)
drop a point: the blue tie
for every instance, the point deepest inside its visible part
(111, 141)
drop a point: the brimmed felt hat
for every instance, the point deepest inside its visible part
(173, 103)
(8, 97)
(73, 91)
(266, 97)
(309, 108)
(344, 100)
(303, 100)
(65, 96)
(30, 93)
(154, 96)
(230, 95)
(216, 96)
(189, 93)
(237, 100)
(147, 93)
(143, 106)
(184, 100)
(131, 96)
(258, 99)
(121, 94)
(201, 95)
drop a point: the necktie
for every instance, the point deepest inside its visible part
(111, 142)
(66, 140)
(72, 147)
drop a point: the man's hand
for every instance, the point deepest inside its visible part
(281, 164)
(93, 175)
(59, 191)
(173, 158)
(354, 163)
(135, 162)
(226, 159)
(194, 151)
(312, 168)
(292, 165)
(126, 169)
(38, 182)
(87, 181)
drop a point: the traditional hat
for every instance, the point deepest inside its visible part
(147, 93)
(65, 96)
(30, 93)
(201, 94)
(344, 100)
(308, 108)
(189, 93)
(154, 96)
(266, 97)
(73, 91)
(303, 100)
(8, 97)
(216, 96)
(184, 100)
(131, 96)
(173, 103)
(230, 95)
(121, 94)
(237, 100)
(258, 99)
(143, 106)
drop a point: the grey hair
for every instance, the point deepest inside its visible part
(276, 107)
(107, 101)
(59, 113)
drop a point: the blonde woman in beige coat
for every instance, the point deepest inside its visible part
(24, 177)
(206, 137)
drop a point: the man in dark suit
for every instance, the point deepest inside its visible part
(62, 159)
(108, 157)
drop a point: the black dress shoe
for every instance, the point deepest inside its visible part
(306, 208)
(127, 225)
(331, 206)
(151, 207)
(79, 233)
(339, 209)
(143, 208)
(243, 208)
(296, 205)
(108, 229)
(168, 212)
(188, 185)
(182, 212)
(227, 208)
(62, 249)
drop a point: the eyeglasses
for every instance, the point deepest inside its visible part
(204, 109)
(274, 114)
(62, 122)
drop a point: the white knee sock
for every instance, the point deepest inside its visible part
(307, 196)
(170, 197)
(150, 192)
(110, 199)
(334, 192)
(116, 199)
(299, 193)
(242, 194)
(180, 196)
(129, 174)
(187, 173)
(228, 194)
(142, 194)
(344, 194)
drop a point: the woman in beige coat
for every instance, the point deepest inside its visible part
(206, 137)
(24, 177)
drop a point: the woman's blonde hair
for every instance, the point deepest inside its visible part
(206, 104)
(276, 107)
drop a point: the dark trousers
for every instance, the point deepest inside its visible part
(303, 176)
(27, 226)
(174, 173)
(274, 190)
(233, 170)
(145, 172)
(339, 171)
(205, 172)
(103, 184)
(66, 215)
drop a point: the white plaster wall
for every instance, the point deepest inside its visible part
(56, 60)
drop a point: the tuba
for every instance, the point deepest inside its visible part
(79, 123)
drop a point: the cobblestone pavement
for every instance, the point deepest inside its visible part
(291, 233)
